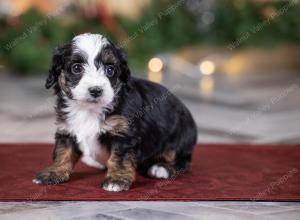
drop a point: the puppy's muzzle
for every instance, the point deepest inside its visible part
(95, 91)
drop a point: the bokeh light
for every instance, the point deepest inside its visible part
(207, 67)
(155, 65)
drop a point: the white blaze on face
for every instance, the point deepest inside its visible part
(91, 45)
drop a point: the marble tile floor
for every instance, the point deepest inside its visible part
(253, 108)
(149, 210)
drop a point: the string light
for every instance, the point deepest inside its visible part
(155, 65)
(207, 67)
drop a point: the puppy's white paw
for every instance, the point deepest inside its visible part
(36, 181)
(159, 172)
(113, 187)
(116, 185)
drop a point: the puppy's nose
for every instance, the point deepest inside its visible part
(95, 91)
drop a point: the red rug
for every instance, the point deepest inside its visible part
(219, 172)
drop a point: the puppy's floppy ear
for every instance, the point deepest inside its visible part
(125, 75)
(56, 65)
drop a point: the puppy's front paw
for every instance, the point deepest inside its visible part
(116, 185)
(51, 175)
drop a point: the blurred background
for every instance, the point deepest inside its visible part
(234, 63)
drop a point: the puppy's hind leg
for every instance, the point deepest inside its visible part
(65, 157)
(163, 167)
(169, 164)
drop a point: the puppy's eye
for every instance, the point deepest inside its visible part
(110, 71)
(76, 68)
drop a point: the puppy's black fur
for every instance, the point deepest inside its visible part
(158, 122)
(160, 130)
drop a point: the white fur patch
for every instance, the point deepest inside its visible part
(113, 187)
(36, 181)
(88, 160)
(84, 121)
(158, 172)
(90, 44)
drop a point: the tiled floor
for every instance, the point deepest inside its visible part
(149, 210)
(252, 108)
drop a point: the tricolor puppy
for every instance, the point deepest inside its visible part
(112, 120)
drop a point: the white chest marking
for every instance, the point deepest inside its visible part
(84, 122)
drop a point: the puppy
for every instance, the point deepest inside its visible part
(112, 120)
